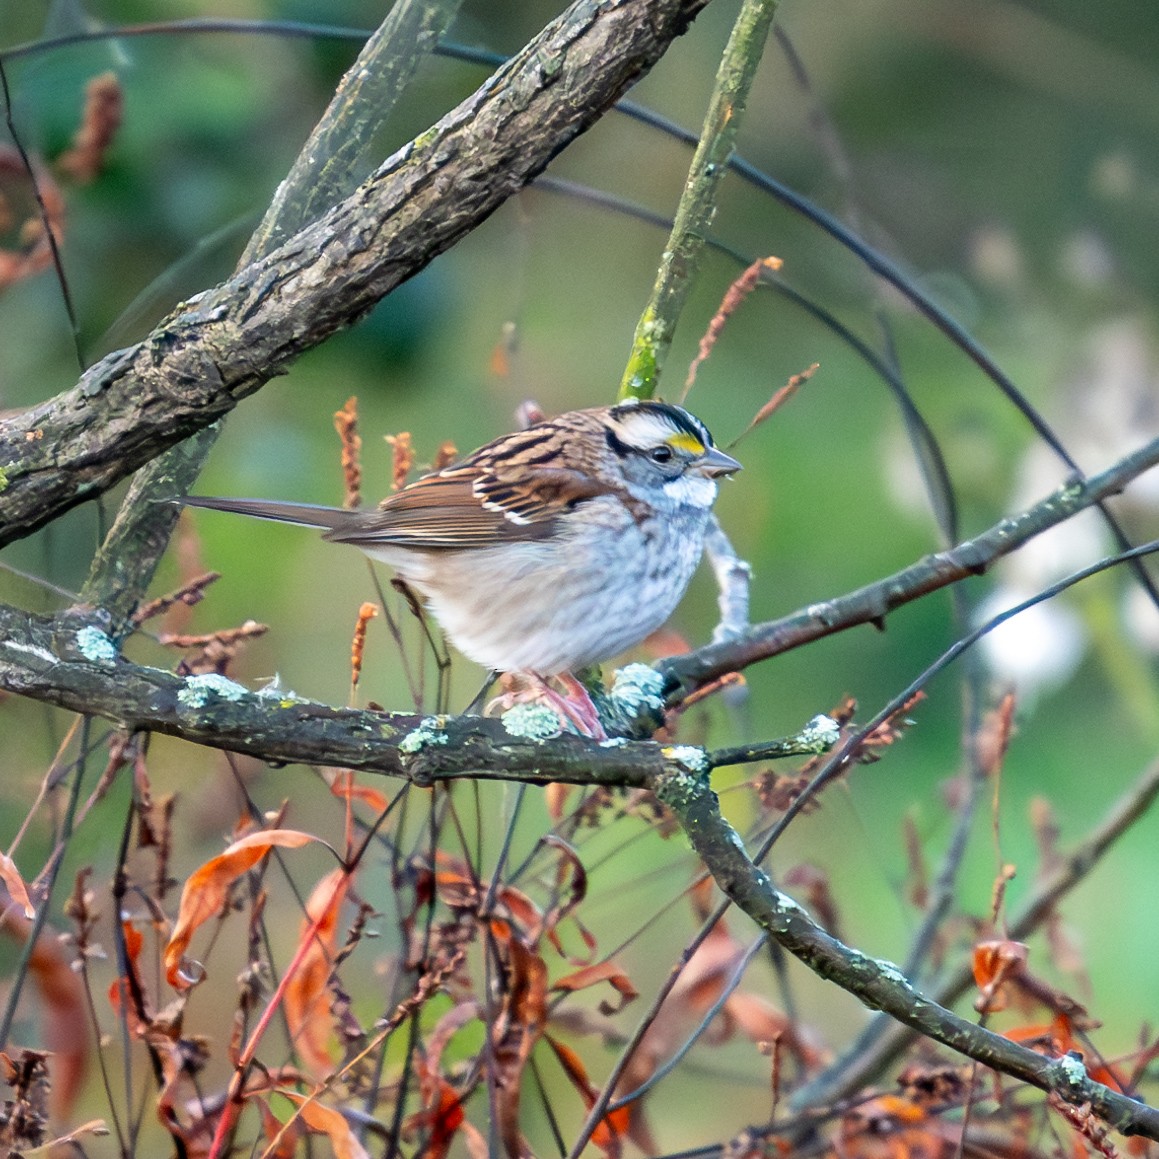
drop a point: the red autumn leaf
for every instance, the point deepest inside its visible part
(64, 1017)
(306, 997)
(442, 1114)
(995, 963)
(612, 1126)
(120, 991)
(207, 890)
(593, 975)
(323, 1120)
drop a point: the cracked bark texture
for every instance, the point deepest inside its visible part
(215, 350)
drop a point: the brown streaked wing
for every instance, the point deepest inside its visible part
(472, 505)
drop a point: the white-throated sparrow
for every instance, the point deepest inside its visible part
(551, 548)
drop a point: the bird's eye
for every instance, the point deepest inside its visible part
(661, 454)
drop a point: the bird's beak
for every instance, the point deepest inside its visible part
(714, 463)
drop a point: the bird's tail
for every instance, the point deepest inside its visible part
(303, 514)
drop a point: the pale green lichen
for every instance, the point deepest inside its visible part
(3, 479)
(821, 733)
(200, 690)
(532, 721)
(689, 757)
(1073, 1069)
(634, 705)
(637, 687)
(94, 645)
(428, 733)
(891, 971)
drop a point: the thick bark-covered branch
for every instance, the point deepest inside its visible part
(878, 984)
(215, 350)
(67, 661)
(40, 657)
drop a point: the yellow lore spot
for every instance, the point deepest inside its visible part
(685, 442)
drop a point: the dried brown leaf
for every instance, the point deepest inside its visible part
(403, 459)
(103, 111)
(346, 424)
(306, 996)
(737, 292)
(207, 891)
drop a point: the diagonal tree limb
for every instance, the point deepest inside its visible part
(334, 160)
(879, 985)
(872, 603)
(884, 1041)
(213, 351)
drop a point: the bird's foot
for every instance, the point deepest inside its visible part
(574, 706)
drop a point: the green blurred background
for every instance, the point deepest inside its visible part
(1004, 154)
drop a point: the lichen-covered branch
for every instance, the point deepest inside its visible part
(884, 1042)
(213, 351)
(32, 663)
(697, 207)
(879, 985)
(69, 661)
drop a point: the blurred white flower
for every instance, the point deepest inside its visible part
(1038, 650)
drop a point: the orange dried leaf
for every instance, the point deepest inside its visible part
(306, 998)
(343, 785)
(207, 890)
(103, 110)
(119, 991)
(18, 891)
(403, 459)
(346, 424)
(613, 1126)
(366, 613)
(442, 1111)
(593, 975)
(995, 963)
(282, 1138)
(323, 1120)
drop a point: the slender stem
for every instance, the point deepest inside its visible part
(890, 1040)
(879, 985)
(697, 205)
(335, 158)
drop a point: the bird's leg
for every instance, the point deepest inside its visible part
(576, 705)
